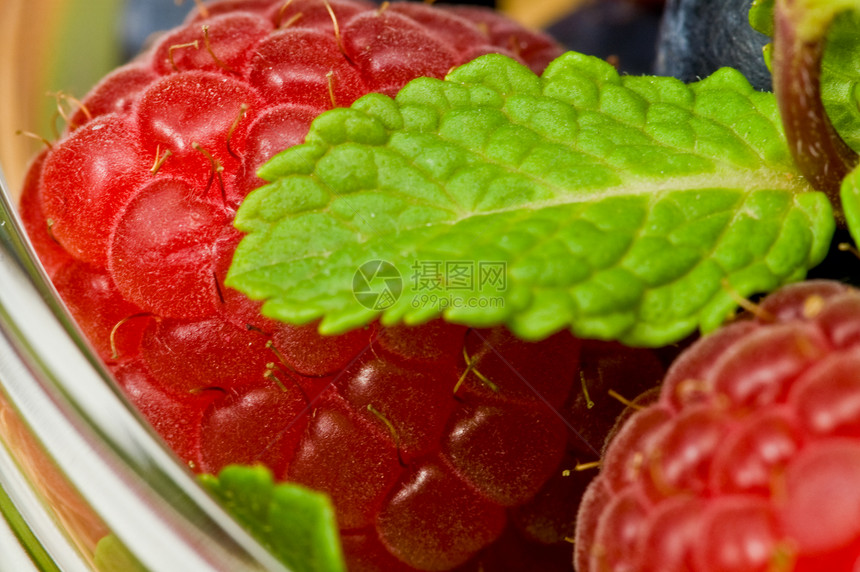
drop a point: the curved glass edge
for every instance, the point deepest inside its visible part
(65, 397)
(18, 545)
(20, 549)
(30, 536)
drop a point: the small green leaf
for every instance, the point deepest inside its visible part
(850, 195)
(812, 18)
(629, 208)
(111, 555)
(296, 524)
(761, 16)
(840, 68)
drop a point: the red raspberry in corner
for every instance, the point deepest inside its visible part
(440, 446)
(750, 458)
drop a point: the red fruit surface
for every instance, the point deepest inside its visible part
(441, 447)
(750, 458)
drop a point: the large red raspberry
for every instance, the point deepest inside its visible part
(433, 442)
(750, 458)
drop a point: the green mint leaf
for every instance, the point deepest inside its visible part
(629, 208)
(296, 524)
(840, 86)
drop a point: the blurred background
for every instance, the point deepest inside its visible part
(53, 47)
(47, 46)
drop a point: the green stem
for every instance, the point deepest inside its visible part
(820, 153)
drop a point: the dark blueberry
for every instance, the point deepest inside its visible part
(144, 17)
(623, 32)
(697, 37)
